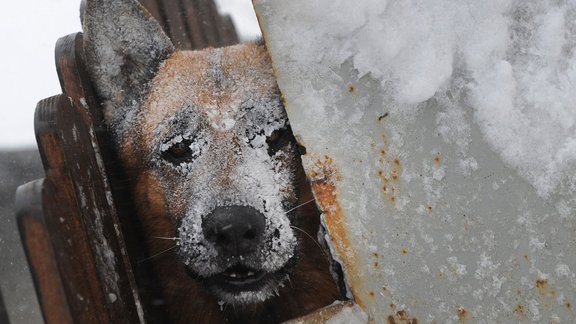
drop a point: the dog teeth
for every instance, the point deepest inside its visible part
(240, 275)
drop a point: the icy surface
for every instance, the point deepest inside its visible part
(512, 61)
(451, 127)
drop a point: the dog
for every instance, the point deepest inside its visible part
(214, 169)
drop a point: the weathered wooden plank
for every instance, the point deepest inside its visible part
(194, 25)
(208, 20)
(227, 32)
(177, 27)
(61, 217)
(40, 254)
(86, 166)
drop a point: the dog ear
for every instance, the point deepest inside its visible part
(124, 47)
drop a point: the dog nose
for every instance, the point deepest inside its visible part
(234, 230)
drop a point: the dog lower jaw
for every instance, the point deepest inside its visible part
(268, 288)
(239, 285)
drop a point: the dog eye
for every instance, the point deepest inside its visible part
(180, 149)
(178, 152)
(278, 139)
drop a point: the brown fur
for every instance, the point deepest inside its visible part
(311, 285)
(214, 85)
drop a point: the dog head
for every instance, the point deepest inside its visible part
(206, 141)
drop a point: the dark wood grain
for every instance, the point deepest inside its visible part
(40, 254)
(60, 215)
(86, 166)
(193, 24)
(73, 232)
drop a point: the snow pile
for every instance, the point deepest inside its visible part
(511, 61)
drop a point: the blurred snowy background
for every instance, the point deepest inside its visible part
(29, 30)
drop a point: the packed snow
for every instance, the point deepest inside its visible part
(512, 62)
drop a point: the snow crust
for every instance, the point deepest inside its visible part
(349, 315)
(511, 62)
(257, 180)
(230, 162)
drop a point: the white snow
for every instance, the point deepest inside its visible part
(349, 315)
(512, 62)
(257, 180)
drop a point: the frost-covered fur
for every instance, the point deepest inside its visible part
(198, 132)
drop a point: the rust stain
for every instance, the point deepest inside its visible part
(526, 258)
(390, 180)
(351, 88)
(544, 289)
(324, 178)
(429, 209)
(568, 306)
(376, 265)
(389, 172)
(401, 316)
(404, 252)
(462, 314)
(519, 309)
(371, 294)
(437, 159)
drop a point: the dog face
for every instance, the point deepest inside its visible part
(219, 145)
(206, 142)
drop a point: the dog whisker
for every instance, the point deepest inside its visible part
(158, 254)
(312, 238)
(167, 238)
(302, 204)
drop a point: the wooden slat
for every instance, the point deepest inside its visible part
(177, 28)
(227, 32)
(209, 20)
(61, 218)
(192, 24)
(86, 167)
(40, 254)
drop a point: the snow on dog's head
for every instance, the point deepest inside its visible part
(222, 149)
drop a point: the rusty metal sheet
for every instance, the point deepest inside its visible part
(431, 222)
